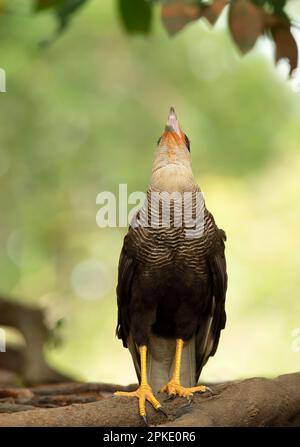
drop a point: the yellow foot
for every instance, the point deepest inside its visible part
(143, 393)
(173, 389)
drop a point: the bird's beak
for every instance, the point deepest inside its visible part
(172, 135)
(172, 123)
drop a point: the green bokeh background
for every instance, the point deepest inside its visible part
(83, 116)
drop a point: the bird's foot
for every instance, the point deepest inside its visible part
(173, 389)
(143, 393)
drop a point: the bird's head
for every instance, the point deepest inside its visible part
(172, 161)
(173, 137)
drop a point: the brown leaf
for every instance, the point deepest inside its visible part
(286, 46)
(212, 12)
(176, 15)
(246, 23)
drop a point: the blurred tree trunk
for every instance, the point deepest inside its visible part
(28, 361)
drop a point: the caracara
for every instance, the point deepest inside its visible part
(172, 279)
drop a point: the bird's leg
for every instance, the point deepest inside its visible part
(174, 387)
(144, 392)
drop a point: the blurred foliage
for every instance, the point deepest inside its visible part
(63, 10)
(247, 19)
(84, 116)
(136, 15)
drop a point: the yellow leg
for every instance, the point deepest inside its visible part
(174, 387)
(144, 392)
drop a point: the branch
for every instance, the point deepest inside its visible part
(251, 402)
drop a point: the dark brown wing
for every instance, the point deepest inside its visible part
(208, 335)
(219, 277)
(126, 272)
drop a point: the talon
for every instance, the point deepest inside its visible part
(171, 397)
(208, 389)
(161, 410)
(190, 399)
(145, 419)
(173, 389)
(143, 394)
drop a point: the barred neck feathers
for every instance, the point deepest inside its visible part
(172, 170)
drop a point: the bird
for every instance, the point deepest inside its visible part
(172, 282)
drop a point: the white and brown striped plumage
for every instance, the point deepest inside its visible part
(171, 286)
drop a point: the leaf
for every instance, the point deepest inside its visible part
(40, 5)
(136, 15)
(212, 12)
(246, 23)
(65, 10)
(176, 15)
(286, 46)
(278, 6)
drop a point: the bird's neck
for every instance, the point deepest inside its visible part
(172, 171)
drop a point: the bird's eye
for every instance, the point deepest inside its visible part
(187, 142)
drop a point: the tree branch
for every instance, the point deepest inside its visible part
(251, 402)
(28, 361)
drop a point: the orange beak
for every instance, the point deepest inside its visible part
(173, 135)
